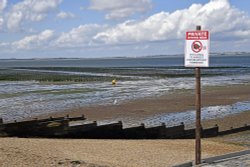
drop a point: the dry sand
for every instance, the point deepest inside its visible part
(241, 139)
(122, 153)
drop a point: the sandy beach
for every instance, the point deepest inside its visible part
(132, 153)
(112, 83)
(97, 153)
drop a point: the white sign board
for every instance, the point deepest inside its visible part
(197, 49)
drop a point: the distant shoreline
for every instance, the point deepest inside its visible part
(220, 54)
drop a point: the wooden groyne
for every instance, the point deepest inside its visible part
(77, 127)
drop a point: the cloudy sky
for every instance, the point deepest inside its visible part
(105, 28)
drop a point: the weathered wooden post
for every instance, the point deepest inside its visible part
(198, 112)
(197, 55)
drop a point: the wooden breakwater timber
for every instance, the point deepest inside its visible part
(50, 127)
(75, 127)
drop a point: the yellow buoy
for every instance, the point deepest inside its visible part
(113, 81)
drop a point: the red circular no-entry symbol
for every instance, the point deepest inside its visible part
(196, 46)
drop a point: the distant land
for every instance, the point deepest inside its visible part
(124, 57)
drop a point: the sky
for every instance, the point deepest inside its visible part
(115, 28)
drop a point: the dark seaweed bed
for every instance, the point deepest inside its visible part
(55, 74)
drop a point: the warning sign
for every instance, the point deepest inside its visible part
(196, 46)
(197, 49)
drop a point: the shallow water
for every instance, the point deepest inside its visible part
(26, 99)
(142, 77)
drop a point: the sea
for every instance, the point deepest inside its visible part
(135, 77)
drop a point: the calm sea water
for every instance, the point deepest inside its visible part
(215, 61)
(150, 77)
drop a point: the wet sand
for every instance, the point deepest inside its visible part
(230, 121)
(178, 101)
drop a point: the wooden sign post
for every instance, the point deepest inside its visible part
(197, 55)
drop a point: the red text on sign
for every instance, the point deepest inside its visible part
(197, 35)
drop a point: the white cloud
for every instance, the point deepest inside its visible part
(242, 33)
(40, 40)
(65, 15)
(117, 9)
(227, 24)
(79, 37)
(29, 10)
(1, 23)
(3, 4)
(217, 16)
